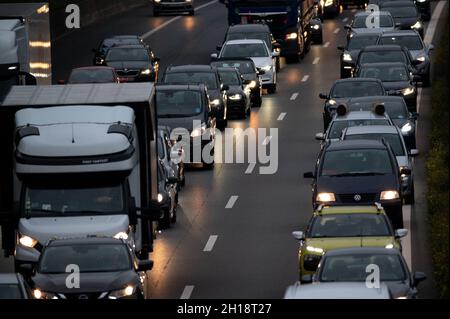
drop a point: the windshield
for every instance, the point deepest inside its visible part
(395, 110)
(356, 89)
(74, 200)
(385, 21)
(356, 162)
(206, 78)
(353, 267)
(359, 42)
(338, 126)
(385, 73)
(402, 12)
(181, 103)
(108, 43)
(393, 139)
(127, 54)
(254, 50)
(382, 56)
(412, 42)
(349, 225)
(92, 76)
(88, 257)
(249, 35)
(10, 291)
(229, 78)
(243, 67)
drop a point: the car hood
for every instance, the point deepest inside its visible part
(44, 228)
(262, 62)
(180, 123)
(348, 242)
(357, 184)
(235, 89)
(398, 288)
(397, 85)
(119, 65)
(406, 23)
(250, 76)
(89, 282)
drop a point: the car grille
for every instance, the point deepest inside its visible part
(127, 72)
(353, 198)
(90, 295)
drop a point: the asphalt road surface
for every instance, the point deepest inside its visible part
(233, 234)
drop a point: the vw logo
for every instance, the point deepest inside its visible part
(357, 197)
(83, 297)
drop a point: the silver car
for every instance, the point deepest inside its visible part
(13, 286)
(170, 159)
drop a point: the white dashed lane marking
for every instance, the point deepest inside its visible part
(210, 243)
(316, 60)
(327, 44)
(336, 30)
(305, 78)
(282, 116)
(187, 292)
(231, 202)
(294, 96)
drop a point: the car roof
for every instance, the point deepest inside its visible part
(363, 251)
(387, 47)
(375, 64)
(376, 98)
(355, 144)
(357, 80)
(244, 41)
(367, 13)
(398, 33)
(191, 68)
(85, 241)
(360, 115)
(190, 87)
(128, 46)
(94, 68)
(8, 278)
(248, 27)
(397, 4)
(372, 129)
(233, 59)
(337, 290)
(363, 209)
(369, 33)
(223, 69)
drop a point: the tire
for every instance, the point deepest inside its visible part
(411, 198)
(164, 223)
(319, 40)
(248, 113)
(155, 13)
(272, 88)
(397, 220)
(292, 59)
(183, 182)
(192, 12)
(257, 102)
(222, 124)
(142, 255)
(426, 80)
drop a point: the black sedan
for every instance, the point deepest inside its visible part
(397, 110)
(238, 96)
(396, 78)
(133, 63)
(405, 15)
(351, 50)
(118, 40)
(345, 89)
(357, 172)
(250, 75)
(107, 269)
(352, 265)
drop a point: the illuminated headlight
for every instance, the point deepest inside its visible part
(252, 84)
(27, 241)
(421, 1)
(39, 294)
(417, 25)
(121, 235)
(125, 292)
(347, 57)
(315, 27)
(402, 297)
(267, 68)
(421, 58)
(351, 35)
(328, 3)
(314, 249)
(146, 72)
(12, 68)
(215, 102)
(407, 128)
(332, 102)
(157, 1)
(325, 197)
(291, 36)
(408, 91)
(389, 246)
(199, 131)
(235, 97)
(389, 195)
(160, 198)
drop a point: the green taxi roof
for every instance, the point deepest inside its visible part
(328, 210)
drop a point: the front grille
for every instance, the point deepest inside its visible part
(353, 198)
(90, 295)
(127, 72)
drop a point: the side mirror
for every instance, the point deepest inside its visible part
(145, 265)
(320, 137)
(418, 277)
(323, 96)
(308, 175)
(306, 279)
(26, 269)
(341, 48)
(397, 24)
(347, 27)
(276, 45)
(153, 213)
(214, 56)
(400, 233)
(414, 115)
(275, 54)
(261, 71)
(61, 82)
(225, 87)
(430, 47)
(299, 235)
(219, 47)
(414, 152)
(405, 171)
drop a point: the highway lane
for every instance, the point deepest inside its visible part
(254, 254)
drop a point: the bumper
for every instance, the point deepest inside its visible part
(255, 93)
(346, 69)
(173, 7)
(236, 107)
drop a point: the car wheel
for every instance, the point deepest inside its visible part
(320, 39)
(411, 198)
(292, 59)
(257, 102)
(222, 124)
(248, 113)
(192, 12)
(272, 88)
(426, 80)
(155, 13)
(164, 223)
(397, 220)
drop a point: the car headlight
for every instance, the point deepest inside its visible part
(389, 246)
(39, 294)
(267, 68)
(215, 102)
(328, 3)
(408, 91)
(416, 25)
(314, 249)
(12, 68)
(125, 292)
(407, 128)
(421, 58)
(389, 195)
(235, 97)
(325, 197)
(315, 27)
(421, 1)
(121, 235)
(332, 102)
(157, 1)
(198, 131)
(160, 198)
(146, 72)
(291, 36)
(27, 241)
(347, 57)
(252, 84)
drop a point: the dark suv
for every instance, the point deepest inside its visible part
(207, 75)
(359, 172)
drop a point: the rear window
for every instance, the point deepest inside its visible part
(382, 56)
(393, 139)
(360, 21)
(412, 42)
(356, 89)
(337, 127)
(207, 78)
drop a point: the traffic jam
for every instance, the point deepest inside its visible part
(112, 170)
